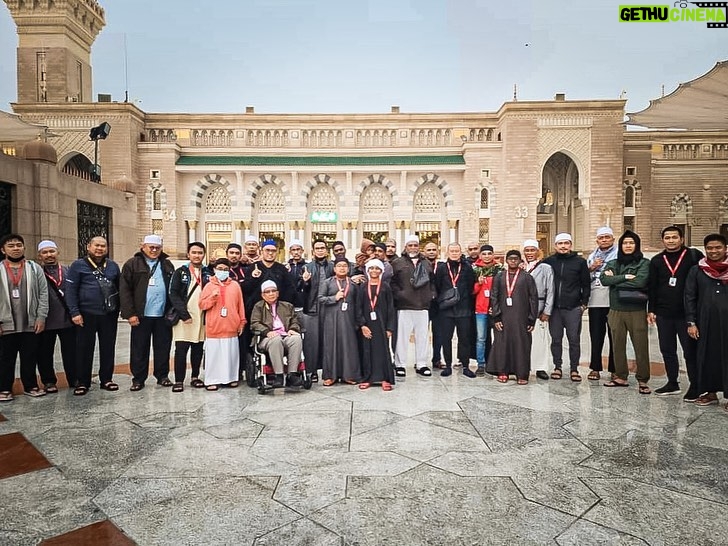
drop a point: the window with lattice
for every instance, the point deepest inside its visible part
(484, 230)
(157, 199)
(376, 200)
(270, 200)
(323, 198)
(484, 199)
(157, 227)
(427, 198)
(218, 200)
(629, 195)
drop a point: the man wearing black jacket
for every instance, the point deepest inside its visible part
(666, 308)
(572, 286)
(456, 273)
(143, 292)
(316, 271)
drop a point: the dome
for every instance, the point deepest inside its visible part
(37, 150)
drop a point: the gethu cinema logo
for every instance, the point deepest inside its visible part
(712, 12)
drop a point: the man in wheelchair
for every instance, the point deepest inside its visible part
(277, 327)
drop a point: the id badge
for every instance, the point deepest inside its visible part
(16, 293)
(152, 282)
(672, 281)
(509, 302)
(373, 315)
(223, 312)
(487, 293)
(344, 306)
(597, 282)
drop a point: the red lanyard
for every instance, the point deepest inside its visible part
(16, 279)
(196, 276)
(346, 290)
(58, 282)
(456, 277)
(511, 286)
(673, 272)
(373, 301)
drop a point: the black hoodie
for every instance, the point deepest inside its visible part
(572, 283)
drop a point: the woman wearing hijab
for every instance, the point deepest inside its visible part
(627, 278)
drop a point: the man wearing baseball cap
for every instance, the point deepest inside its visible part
(572, 286)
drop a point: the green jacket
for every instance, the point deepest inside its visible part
(617, 282)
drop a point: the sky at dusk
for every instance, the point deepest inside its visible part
(308, 56)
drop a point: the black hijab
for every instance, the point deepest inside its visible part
(636, 256)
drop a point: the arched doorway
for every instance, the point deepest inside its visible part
(559, 208)
(323, 208)
(218, 221)
(427, 211)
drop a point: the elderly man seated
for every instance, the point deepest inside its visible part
(277, 325)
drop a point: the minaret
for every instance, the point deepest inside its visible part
(54, 48)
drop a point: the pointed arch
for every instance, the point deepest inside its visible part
(322, 179)
(375, 179)
(441, 183)
(259, 183)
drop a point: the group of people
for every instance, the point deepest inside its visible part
(345, 319)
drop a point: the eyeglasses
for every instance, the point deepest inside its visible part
(270, 291)
(154, 247)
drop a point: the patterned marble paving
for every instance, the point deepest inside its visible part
(436, 461)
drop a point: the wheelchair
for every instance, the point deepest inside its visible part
(260, 375)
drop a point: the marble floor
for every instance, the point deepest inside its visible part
(436, 461)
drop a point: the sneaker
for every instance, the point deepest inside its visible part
(690, 396)
(480, 372)
(446, 372)
(706, 399)
(35, 392)
(667, 389)
(467, 372)
(542, 375)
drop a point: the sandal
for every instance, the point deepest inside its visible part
(136, 387)
(35, 392)
(387, 386)
(644, 389)
(178, 387)
(615, 383)
(197, 383)
(50, 388)
(594, 376)
(6, 396)
(110, 386)
(233, 384)
(211, 388)
(350, 382)
(556, 374)
(80, 391)
(164, 382)
(328, 382)
(502, 378)
(400, 371)
(522, 381)
(364, 386)
(575, 377)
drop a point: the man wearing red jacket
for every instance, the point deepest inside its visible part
(485, 268)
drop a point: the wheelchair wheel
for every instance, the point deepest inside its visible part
(250, 370)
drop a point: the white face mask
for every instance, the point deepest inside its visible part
(222, 276)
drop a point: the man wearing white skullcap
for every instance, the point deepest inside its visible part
(543, 275)
(143, 292)
(412, 285)
(605, 251)
(571, 296)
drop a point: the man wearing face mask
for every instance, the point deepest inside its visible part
(23, 312)
(143, 293)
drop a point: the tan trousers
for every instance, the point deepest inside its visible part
(634, 323)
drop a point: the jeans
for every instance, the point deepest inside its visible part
(481, 329)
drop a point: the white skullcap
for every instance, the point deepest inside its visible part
(251, 239)
(46, 244)
(374, 263)
(606, 230)
(530, 242)
(295, 242)
(153, 240)
(266, 285)
(563, 237)
(412, 239)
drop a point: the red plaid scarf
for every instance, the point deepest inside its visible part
(715, 270)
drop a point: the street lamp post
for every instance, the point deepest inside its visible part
(98, 133)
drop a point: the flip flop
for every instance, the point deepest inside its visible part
(110, 386)
(614, 383)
